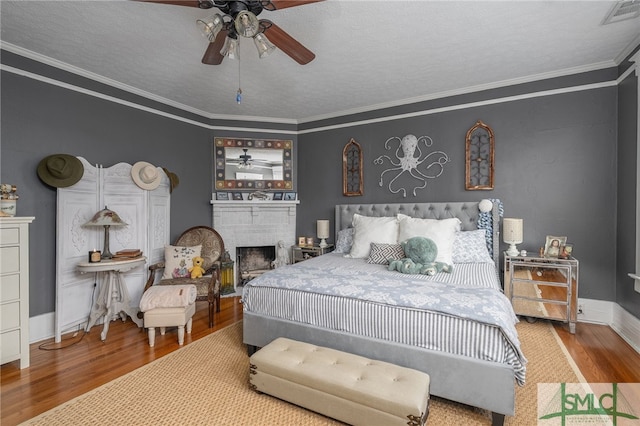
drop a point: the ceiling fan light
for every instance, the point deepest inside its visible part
(247, 24)
(231, 48)
(264, 46)
(210, 26)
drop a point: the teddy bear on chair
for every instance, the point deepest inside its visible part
(197, 270)
(420, 258)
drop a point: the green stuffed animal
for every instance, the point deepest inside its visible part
(421, 254)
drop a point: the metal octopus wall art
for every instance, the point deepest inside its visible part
(413, 161)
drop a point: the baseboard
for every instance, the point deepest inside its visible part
(610, 313)
(41, 327)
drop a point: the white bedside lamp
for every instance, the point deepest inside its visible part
(322, 229)
(512, 234)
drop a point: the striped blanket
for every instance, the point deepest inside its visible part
(463, 313)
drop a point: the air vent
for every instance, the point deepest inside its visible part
(622, 11)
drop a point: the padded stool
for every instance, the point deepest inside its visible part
(169, 317)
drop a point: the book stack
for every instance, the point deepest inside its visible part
(127, 254)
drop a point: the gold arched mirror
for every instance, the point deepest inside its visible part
(479, 149)
(352, 184)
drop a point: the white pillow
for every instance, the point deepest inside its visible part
(442, 232)
(367, 230)
(178, 260)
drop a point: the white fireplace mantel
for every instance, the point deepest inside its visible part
(254, 223)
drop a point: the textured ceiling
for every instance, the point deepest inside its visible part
(368, 53)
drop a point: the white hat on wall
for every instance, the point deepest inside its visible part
(146, 175)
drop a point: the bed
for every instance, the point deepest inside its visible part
(458, 327)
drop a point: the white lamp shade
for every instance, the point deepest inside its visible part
(322, 228)
(263, 45)
(512, 230)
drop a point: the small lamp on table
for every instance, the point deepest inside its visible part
(512, 234)
(322, 230)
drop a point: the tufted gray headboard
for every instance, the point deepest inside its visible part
(467, 212)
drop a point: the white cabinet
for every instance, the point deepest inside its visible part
(14, 289)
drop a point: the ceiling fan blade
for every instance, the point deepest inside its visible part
(288, 44)
(212, 55)
(283, 4)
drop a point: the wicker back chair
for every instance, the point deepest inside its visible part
(209, 285)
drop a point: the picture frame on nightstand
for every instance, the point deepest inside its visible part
(552, 246)
(566, 251)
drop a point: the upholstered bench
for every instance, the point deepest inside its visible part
(347, 387)
(169, 317)
(168, 306)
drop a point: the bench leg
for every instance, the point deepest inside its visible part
(251, 349)
(189, 325)
(181, 335)
(152, 336)
(497, 419)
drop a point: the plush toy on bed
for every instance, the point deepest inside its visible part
(197, 270)
(421, 254)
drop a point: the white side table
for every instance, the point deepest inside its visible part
(113, 298)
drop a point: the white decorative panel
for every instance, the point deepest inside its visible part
(99, 187)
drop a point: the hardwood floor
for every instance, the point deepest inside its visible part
(56, 376)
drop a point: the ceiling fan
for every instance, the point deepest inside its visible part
(240, 19)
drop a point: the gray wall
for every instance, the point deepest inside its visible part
(555, 168)
(557, 163)
(627, 196)
(39, 119)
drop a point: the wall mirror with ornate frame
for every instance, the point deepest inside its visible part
(352, 184)
(253, 163)
(479, 150)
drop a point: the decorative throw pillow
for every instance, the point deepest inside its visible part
(345, 241)
(471, 247)
(442, 232)
(178, 260)
(381, 253)
(369, 230)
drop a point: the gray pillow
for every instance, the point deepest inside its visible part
(381, 253)
(471, 247)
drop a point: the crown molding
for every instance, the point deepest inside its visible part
(133, 90)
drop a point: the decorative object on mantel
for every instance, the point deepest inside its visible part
(412, 161)
(352, 183)
(106, 218)
(479, 153)
(322, 230)
(271, 160)
(259, 195)
(60, 170)
(512, 230)
(8, 200)
(145, 175)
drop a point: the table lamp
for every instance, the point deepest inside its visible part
(512, 234)
(106, 218)
(322, 229)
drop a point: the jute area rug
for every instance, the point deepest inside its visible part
(206, 383)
